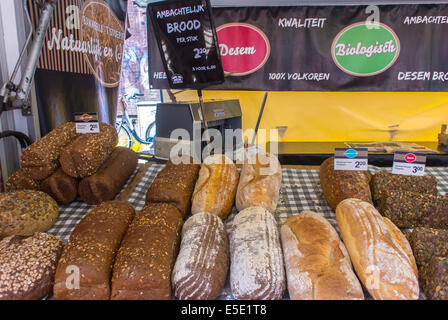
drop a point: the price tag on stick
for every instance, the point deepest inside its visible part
(87, 122)
(409, 163)
(353, 159)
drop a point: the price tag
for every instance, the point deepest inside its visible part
(87, 122)
(353, 159)
(409, 163)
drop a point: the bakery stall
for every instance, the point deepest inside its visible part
(237, 222)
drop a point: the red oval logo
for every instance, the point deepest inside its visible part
(410, 157)
(85, 117)
(244, 48)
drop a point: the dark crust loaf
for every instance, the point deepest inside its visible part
(92, 248)
(428, 242)
(410, 209)
(434, 278)
(143, 266)
(28, 265)
(201, 266)
(174, 184)
(85, 154)
(338, 185)
(40, 159)
(60, 187)
(108, 180)
(25, 212)
(19, 180)
(383, 182)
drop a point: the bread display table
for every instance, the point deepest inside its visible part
(300, 191)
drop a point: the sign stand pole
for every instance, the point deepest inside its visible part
(204, 120)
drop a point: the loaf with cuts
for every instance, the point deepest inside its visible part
(260, 182)
(216, 186)
(201, 267)
(90, 253)
(20, 180)
(111, 176)
(85, 154)
(317, 263)
(256, 260)
(40, 159)
(61, 187)
(338, 185)
(175, 184)
(145, 260)
(25, 212)
(28, 265)
(380, 253)
(409, 209)
(383, 182)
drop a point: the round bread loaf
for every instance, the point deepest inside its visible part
(25, 212)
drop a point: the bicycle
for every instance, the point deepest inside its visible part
(125, 126)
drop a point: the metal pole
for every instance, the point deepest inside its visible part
(201, 103)
(260, 114)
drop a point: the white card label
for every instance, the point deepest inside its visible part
(409, 163)
(352, 159)
(87, 122)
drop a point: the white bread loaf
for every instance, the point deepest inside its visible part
(260, 182)
(201, 267)
(256, 260)
(317, 263)
(380, 253)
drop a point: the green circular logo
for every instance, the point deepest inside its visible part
(364, 50)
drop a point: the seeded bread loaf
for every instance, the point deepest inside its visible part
(201, 266)
(144, 262)
(338, 185)
(108, 180)
(434, 277)
(19, 180)
(256, 259)
(61, 187)
(40, 159)
(216, 186)
(90, 253)
(28, 265)
(174, 184)
(85, 154)
(427, 243)
(25, 212)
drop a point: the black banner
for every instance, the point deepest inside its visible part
(328, 48)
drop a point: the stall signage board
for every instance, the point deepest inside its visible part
(409, 163)
(187, 42)
(87, 122)
(352, 159)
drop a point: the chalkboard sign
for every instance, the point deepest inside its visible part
(187, 42)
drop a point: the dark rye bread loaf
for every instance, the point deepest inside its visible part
(19, 180)
(85, 154)
(174, 184)
(434, 278)
(27, 266)
(40, 159)
(92, 248)
(25, 212)
(201, 266)
(338, 185)
(143, 266)
(111, 176)
(427, 243)
(60, 187)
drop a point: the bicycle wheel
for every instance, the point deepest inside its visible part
(150, 132)
(124, 137)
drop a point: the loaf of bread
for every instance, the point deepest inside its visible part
(260, 182)
(108, 180)
(256, 260)
(85, 154)
(427, 243)
(201, 267)
(27, 266)
(174, 184)
(61, 187)
(85, 268)
(384, 182)
(25, 212)
(144, 262)
(216, 186)
(19, 180)
(380, 253)
(317, 263)
(338, 185)
(40, 159)
(434, 278)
